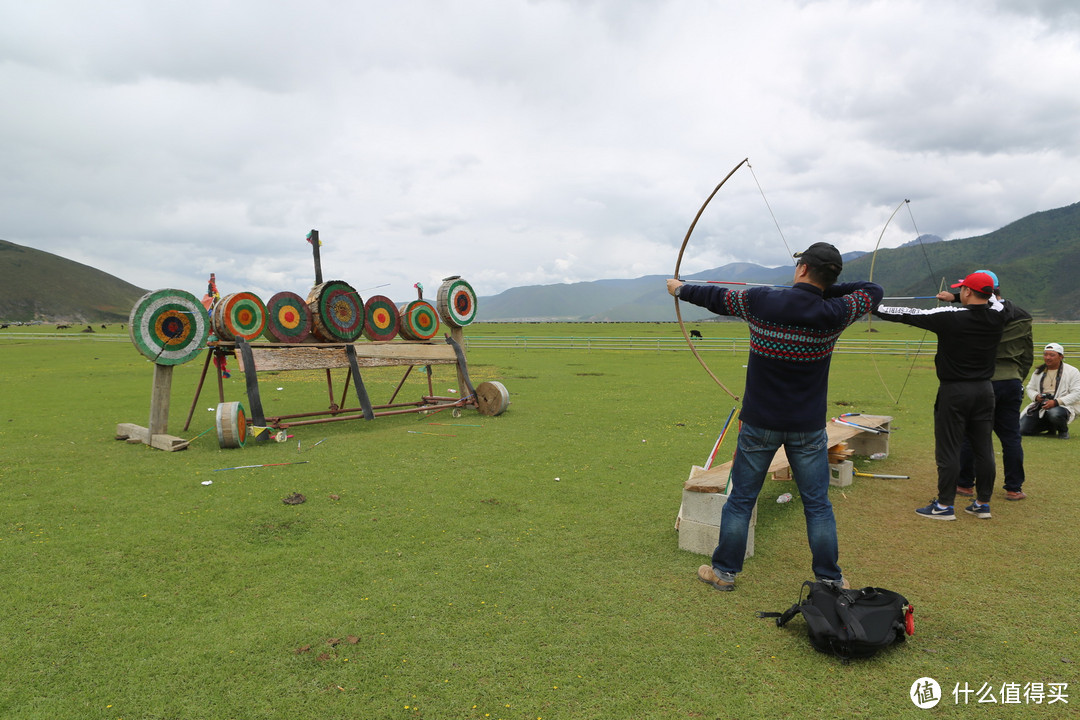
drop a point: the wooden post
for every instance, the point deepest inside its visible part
(159, 400)
(313, 238)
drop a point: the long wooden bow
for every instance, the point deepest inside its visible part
(678, 264)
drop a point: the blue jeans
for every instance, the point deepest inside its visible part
(1056, 419)
(808, 455)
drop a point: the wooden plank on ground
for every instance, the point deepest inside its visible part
(714, 480)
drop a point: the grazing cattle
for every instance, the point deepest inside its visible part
(695, 334)
(62, 327)
(5, 325)
(103, 327)
(88, 329)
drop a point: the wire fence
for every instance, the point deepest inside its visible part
(736, 346)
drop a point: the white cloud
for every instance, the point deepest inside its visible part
(516, 142)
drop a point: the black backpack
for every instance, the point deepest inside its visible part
(851, 623)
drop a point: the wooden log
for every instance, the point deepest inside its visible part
(492, 398)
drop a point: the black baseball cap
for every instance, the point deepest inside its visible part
(821, 253)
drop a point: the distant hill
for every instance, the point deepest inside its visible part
(1037, 259)
(36, 285)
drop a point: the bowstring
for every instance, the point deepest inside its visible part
(930, 267)
(771, 213)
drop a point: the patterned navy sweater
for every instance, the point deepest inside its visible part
(792, 334)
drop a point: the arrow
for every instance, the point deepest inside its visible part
(242, 467)
(733, 282)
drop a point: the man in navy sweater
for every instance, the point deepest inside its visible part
(792, 334)
(968, 338)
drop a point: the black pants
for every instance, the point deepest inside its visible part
(1008, 395)
(964, 411)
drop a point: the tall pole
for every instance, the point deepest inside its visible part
(313, 238)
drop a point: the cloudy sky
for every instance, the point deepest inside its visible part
(519, 142)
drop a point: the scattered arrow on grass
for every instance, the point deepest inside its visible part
(243, 467)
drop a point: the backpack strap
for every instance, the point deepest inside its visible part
(783, 618)
(843, 609)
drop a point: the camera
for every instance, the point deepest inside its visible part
(1040, 403)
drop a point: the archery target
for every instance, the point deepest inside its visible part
(169, 327)
(288, 319)
(419, 321)
(337, 312)
(239, 315)
(457, 302)
(382, 319)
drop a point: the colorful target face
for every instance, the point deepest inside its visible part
(288, 319)
(457, 302)
(419, 321)
(382, 320)
(239, 315)
(169, 327)
(337, 311)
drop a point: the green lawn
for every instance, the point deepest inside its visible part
(522, 566)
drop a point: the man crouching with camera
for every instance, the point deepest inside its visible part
(1054, 390)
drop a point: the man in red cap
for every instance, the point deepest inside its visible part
(968, 337)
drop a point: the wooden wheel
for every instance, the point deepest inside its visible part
(231, 422)
(492, 398)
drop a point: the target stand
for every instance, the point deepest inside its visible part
(490, 398)
(169, 327)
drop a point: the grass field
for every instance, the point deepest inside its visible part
(522, 566)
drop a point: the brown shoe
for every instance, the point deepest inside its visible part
(706, 575)
(965, 491)
(1015, 495)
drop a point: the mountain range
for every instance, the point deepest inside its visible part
(1037, 259)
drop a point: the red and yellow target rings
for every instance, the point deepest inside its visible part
(337, 312)
(239, 315)
(382, 318)
(169, 327)
(288, 319)
(457, 302)
(419, 321)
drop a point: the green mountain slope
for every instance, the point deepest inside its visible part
(36, 285)
(1037, 259)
